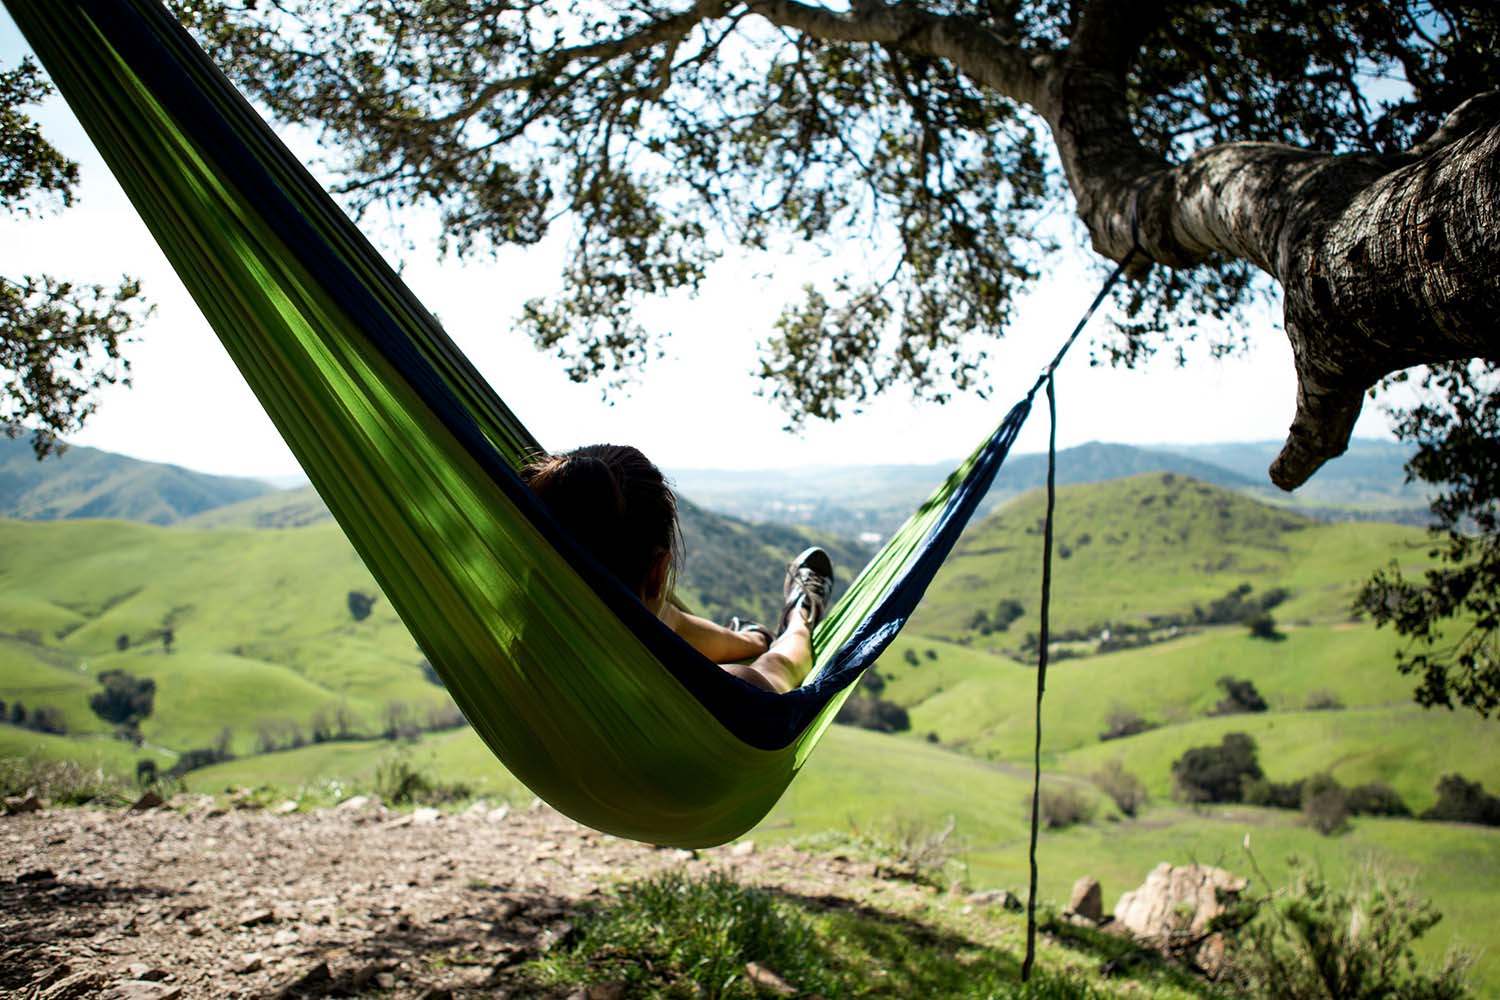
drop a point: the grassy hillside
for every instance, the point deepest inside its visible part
(1152, 545)
(731, 566)
(85, 482)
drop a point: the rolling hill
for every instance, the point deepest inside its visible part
(86, 483)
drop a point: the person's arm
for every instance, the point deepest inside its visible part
(714, 641)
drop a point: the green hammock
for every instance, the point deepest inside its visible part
(579, 690)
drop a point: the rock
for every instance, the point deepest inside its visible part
(142, 971)
(1087, 900)
(743, 849)
(767, 980)
(497, 815)
(16, 804)
(353, 803)
(37, 875)
(312, 983)
(425, 816)
(284, 937)
(477, 809)
(148, 800)
(140, 989)
(1172, 909)
(255, 918)
(437, 993)
(74, 986)
(249, 963)
(286, 808)
(600, 991)
(997, 897)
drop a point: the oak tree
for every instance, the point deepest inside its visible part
(60, 342)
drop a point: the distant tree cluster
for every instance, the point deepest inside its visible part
(125, 701)
(867, 710)
(1463, 801)
(1240, 697)
(41, 718)
(1122, 722)
(360, 604)
(1000, 619)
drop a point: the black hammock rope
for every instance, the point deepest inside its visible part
(1048, 378)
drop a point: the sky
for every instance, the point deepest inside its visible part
(695, 408)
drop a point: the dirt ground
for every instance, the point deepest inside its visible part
(204, 901)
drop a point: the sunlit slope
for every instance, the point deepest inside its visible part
(1154, 544)
(260, 624)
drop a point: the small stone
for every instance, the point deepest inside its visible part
(139, 989)
(497, 815)
(148, 973)
(148, 800)
(253, 962)
(767, 980)
(743, 849)
(385, 981)
(353, 804)
(997, 897)
(286, 808)
(605, 991)
(314, 981)
(1087, 901)
(37, 875)
(74, 986)
(400, 821)
(477, 809)
(284, 937)
(257, 917)
(16, 804)
(425, 816)
(437, 993)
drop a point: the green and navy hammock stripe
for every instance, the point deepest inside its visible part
(579, 690)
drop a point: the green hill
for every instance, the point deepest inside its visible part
(1151, 547)
(86, 482)
(730, 566)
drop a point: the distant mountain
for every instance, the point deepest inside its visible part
(854, 500)
(86, 482)
(1370, 477)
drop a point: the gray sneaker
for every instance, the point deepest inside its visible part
(809, 585)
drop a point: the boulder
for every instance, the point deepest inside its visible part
(1172, 909)
(997, 897)
(1087, 901)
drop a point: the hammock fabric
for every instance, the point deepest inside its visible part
(578, 689)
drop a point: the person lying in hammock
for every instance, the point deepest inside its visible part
(614, 501)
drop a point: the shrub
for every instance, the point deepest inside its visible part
(61, 782)
(911, 658)
(46, 719)
(1240, 697)
(1325, 805)
(874, 714)
(126, 698)
(1263, 626)
(1006, 613)
(399, 782)
(1064, 806)
(1310, 941)
(122, 642)
(1122, 722)
(1323, 700)
(930, 653)
(1376, 799)
(1217, 774)
(1126, 790)
(1272, 794)
(1462, 801)
(360, 604)
(677, 935)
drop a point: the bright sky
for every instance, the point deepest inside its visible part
(696, 408)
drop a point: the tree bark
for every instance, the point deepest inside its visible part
(1385, 262)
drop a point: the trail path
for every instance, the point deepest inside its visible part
(209, 902)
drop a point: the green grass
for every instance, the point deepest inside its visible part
(674, 936)
(1154, 544)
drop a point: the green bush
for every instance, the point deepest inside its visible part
(1376, 799)
(1063, 807)
(400, 782)
(126, 698)
(1240, 697)
(1325, 805)
(1122, 722)
(1311, 941)
(61, 782)
(1463, 801)
(1217, 774)
(1126, 790)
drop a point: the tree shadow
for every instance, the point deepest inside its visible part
(38, 910)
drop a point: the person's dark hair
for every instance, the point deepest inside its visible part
(616, 503)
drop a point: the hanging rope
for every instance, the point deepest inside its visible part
(1049, 379)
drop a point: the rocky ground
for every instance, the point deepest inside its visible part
(207, 901)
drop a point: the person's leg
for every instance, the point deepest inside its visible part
(786, 664)
(808, 589)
